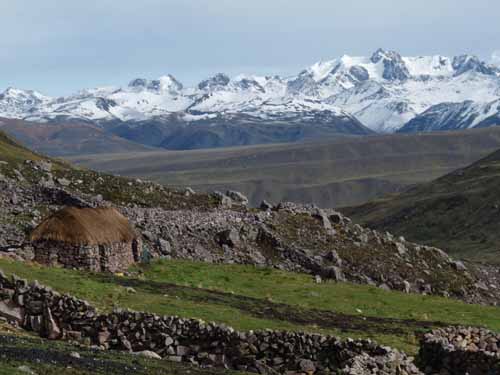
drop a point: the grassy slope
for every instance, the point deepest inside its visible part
(458, 212)
(330, 173)
(246, 297)
(119, 190)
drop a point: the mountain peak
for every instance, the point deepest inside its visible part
(394, 66)
(465, 63)
(217, 81)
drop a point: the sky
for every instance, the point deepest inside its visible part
(60, 46)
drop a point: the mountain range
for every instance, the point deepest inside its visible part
(383, 93)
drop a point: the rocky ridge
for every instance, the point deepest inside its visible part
(220, 228)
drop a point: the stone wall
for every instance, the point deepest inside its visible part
(114, 257)
(460, 351)
(56, 316)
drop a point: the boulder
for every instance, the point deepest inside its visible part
(10, 311)
(266, 206)
(148, 354)
(229, 237)
(237, 197)
(50, 328)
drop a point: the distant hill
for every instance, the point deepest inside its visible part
(67, 138)
(459, 212)
(331, 173)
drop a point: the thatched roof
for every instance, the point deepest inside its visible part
(85, 226)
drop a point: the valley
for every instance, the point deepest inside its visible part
(329, 173)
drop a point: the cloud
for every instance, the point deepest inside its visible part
(495, 57)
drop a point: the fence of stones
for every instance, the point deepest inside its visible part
(55, 316)
(460, 351)
(453, 350)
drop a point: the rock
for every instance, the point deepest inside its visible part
(63, 181)
(266, 206)
(10, 311)
(36, 323)
(334, 257)
(182, 350)
(44, 165)
(50, 327)
(458, 265)
(335, 273)
(13, 198)
(103, 337)
(384, 286)
(188, 192)
(229, 237)
(406, 286)
(307, 366)
(148, 354)
(320, 214)
(75, 355)
(164, 246)
(25, 369)
(237, 197)
(149, 236)
(174, 358)
(336, 218)
(401, 248)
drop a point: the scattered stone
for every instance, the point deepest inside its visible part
(237, 197)
(229, 237)
(25, 369)
(148, 354)
(266, 206)
(63, 181)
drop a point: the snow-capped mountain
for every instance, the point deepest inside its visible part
(453, 116)
(382, 92)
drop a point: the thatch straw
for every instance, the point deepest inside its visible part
(85, 226)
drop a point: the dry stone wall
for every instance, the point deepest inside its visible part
(461, 351)
(56, 316)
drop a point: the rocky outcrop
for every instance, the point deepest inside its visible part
(460, 351)
(220, 228)
(56, 316)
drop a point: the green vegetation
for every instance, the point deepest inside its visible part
(11, 151)
(458, 212)
(247, 297)
(119, 190)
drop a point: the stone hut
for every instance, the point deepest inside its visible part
(95, 239)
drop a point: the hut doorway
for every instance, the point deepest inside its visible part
(102, 258)
(135, 250)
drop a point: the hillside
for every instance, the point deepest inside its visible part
(458, 212)
(285, 272)
(330, 173)
(67, 138)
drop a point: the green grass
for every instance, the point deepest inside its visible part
(299, 289)
(247, 298)
(11, 152)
